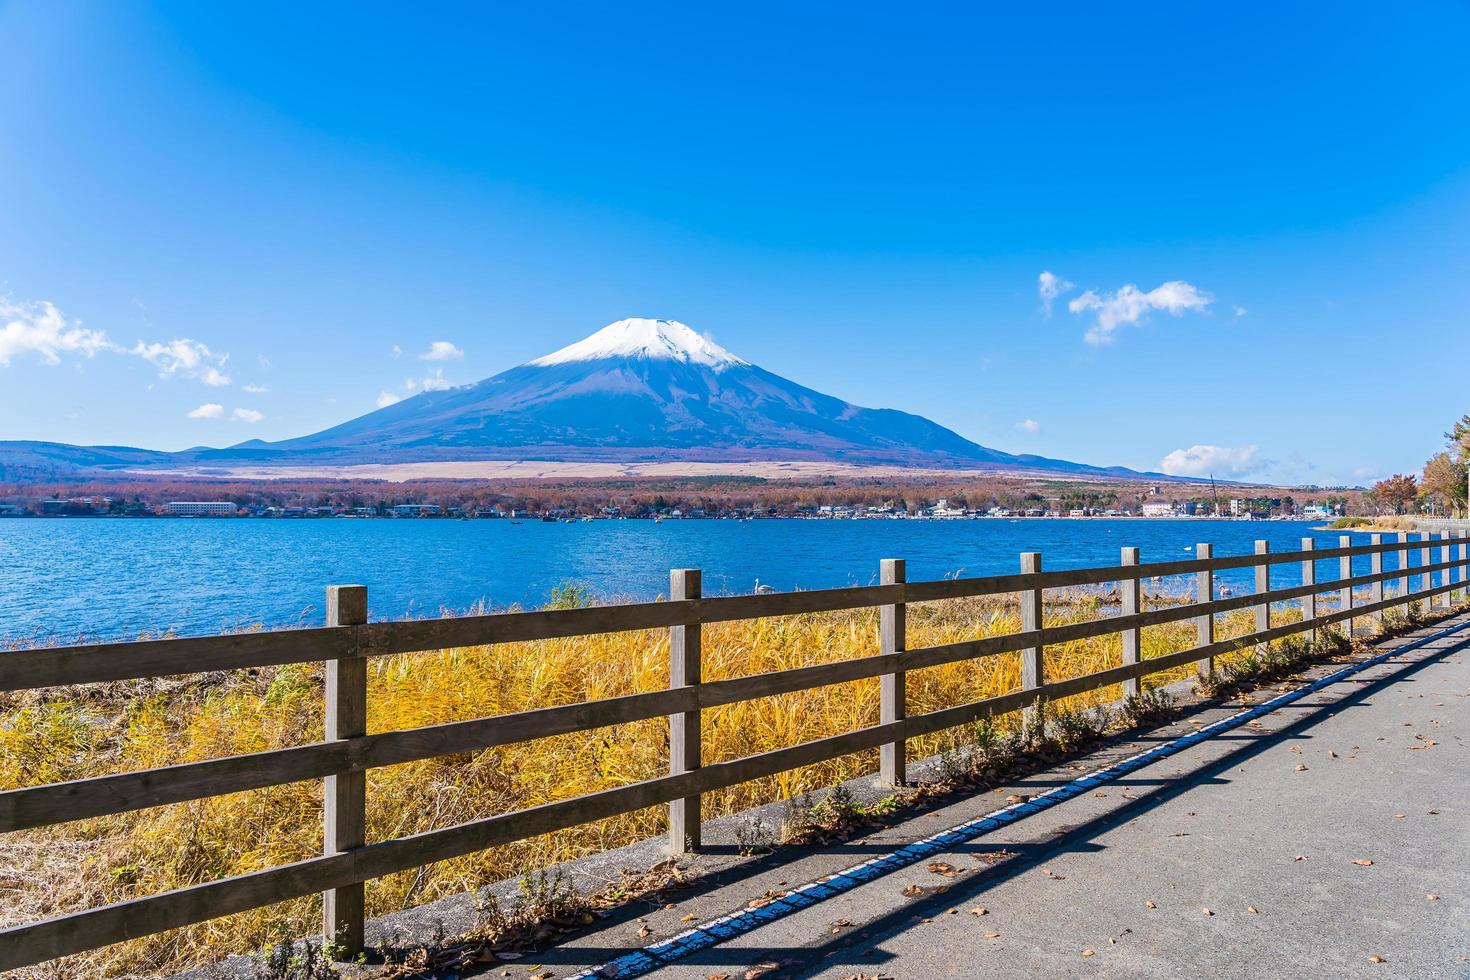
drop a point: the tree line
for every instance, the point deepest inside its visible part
(1441, 489)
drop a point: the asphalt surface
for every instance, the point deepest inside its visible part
(1246, 855)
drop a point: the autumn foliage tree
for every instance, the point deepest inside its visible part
(1443, 483)
(1396, 493)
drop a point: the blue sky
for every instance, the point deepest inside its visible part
(253, 221)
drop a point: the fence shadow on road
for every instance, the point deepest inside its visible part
(856, 947)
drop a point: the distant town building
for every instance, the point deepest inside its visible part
(416, 510)
(1158, 508)
(199, 508)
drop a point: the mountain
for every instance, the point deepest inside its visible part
(638, 390)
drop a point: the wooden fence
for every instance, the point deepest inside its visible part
(342, 760)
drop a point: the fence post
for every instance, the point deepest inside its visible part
(1204, 588)
(1464, 561)
(1033, 669)
(1405, 583)
(344, 810)
(1375, 565)
(1345, 572)
(1263, 585)
(684, 727)
(893, 705)
(1448, 577)
(1132, 590)
(1309, 577)
(1426, 579)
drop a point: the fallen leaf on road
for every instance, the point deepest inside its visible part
(913, 891)
(644, 932)
(944, 868)
(1088, 952)
(718, 976)
(1017, 798)
(1399, 816)
(1434, 813)
(1300, 857)
(1150, 904)
(992, 935)
(1053, 875)
(761, 970)
(1375, 958)
(687, 918)
(1207, 911)
(1301, 767)
(1363, 862)
(1432, 897)
(1253, 910)
(979, 910)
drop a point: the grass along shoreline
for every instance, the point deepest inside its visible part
(73, 733)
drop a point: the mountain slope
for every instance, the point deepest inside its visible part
(639, 390)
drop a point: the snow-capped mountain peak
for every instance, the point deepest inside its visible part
(645, 338)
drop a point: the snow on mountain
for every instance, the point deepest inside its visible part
(641, 337)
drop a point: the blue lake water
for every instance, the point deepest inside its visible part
(117, 578)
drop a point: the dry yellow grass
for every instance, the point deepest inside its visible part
(70, 734)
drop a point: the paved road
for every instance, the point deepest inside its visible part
(1268, 827)
(1271, 818)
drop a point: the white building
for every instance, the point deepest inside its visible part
(943, 509)
(416, 510)
(200, 508)
(1158, 508)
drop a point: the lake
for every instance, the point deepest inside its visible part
(118, 578)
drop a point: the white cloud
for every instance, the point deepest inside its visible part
(41, 329)
(1029, 425)
(186, 358)
(1239, 310)
(396, 351)
(1208, 460)
(1131, 305)
(210, 411)
(246, 415)
(254, 389)
(263, 361)
(414, 386)
(429, 382)
(1050, 286)
(442, 350)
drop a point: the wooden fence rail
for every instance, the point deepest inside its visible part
(348, 640)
